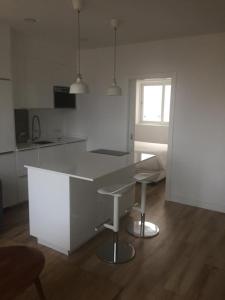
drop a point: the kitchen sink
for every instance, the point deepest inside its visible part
(42, 142)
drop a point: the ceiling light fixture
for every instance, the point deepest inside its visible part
(114, 89)
(79, 86)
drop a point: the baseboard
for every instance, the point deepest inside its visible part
(205, 205)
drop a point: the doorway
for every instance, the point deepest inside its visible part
(151, 101)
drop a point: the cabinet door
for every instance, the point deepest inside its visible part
(19, 83)
(29, 157)
(40, 76)
(7, 126)
(5, 52)
(39, 92)
(52, 156)
(9, 179)
(22, 187)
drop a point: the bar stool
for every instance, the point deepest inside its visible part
(143, 228)
(115, 251)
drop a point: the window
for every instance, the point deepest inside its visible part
(154, 101)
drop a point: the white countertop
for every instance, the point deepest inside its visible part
(90, 166)
(53, 142)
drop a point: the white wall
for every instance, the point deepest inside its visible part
(51, 120)
(198, 164)
(151, 133)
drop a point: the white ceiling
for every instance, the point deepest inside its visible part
(142, 20)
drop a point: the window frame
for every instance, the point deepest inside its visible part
(151, 82)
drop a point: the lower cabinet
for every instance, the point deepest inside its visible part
(13, 175)
(25, 157)
(51, 155)
(8, 179)
(22, 188)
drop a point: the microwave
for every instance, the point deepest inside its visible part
(63, 98)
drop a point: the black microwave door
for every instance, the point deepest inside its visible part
(63, 99)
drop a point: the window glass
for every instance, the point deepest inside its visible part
(152, 103)
(166, 113)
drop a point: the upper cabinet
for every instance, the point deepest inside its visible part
(38, 89)
(40, 77)
(39, 64)
(5, 52)
(7, 125)
(34, 79)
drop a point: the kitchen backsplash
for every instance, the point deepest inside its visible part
(22, 125)
(51, 120)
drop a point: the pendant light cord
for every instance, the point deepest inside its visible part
(78, 40)
(114, 67)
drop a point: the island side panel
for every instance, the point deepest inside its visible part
(89, 209)
(49, 204)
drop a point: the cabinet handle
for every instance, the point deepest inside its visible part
(7, 152)
(6, 79)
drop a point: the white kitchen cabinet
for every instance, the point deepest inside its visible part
(59, 153)
(5, 52)
(35, 81)
(38, 90)
(26, 157)
(7, 124)
(8, 178)
(22, 189)
(51, 154)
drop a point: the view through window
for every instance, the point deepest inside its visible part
(154, 100)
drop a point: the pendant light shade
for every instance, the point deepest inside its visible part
(79, 86)
(114, 89)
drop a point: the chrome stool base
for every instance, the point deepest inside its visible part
(116, 253)
(143, 229)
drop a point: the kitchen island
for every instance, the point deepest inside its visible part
(64, 206)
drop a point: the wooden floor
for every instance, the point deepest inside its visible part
(185, 261)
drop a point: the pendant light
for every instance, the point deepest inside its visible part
(79, 86)
(114, 89)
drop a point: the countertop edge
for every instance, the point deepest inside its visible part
(61, 173)
(58, 143)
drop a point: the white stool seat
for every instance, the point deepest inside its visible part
(116, 189)
(146, 177)
(142, 228)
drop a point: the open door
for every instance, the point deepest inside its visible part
(153, 82)
(132, 112)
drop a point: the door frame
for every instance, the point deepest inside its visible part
(132, 119)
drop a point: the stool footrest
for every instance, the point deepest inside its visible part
(103, 225)
(109, 226)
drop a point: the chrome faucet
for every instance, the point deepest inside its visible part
(36, 120)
